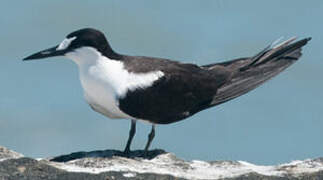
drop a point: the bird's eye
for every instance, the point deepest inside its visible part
(65, 43)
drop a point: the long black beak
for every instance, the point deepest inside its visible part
(46, 53)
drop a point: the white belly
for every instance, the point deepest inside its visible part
(109, 109)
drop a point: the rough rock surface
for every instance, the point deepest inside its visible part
(8, 154)
(158, 164)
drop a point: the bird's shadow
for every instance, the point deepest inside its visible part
(109, 153)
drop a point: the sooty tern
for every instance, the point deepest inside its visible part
(162, 91)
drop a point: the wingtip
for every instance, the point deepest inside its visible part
(278, 44)
(304, 41)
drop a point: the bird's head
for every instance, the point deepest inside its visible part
(84, 38)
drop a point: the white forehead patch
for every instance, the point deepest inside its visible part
(65, 43)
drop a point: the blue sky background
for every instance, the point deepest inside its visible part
(42, 111)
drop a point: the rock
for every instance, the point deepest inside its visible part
(8, 154)
(113, 164)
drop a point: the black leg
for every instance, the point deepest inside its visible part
(131, 134)
(150, 138)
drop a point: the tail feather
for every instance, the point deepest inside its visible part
(249, 73)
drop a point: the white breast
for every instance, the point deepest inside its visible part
(105, 81)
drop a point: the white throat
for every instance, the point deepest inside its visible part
(84, 56)
(106, 80)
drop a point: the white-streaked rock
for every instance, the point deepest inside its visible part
(162, 165)
(8, 154)
(169, 164)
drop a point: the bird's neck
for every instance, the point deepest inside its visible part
(86, 56)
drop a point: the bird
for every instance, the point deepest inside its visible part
(159, 90)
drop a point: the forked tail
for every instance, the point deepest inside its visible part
(249, 73)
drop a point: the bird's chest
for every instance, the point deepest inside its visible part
(107, 81)
(100, 91)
